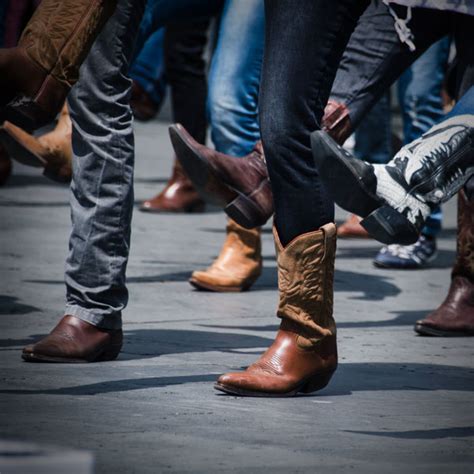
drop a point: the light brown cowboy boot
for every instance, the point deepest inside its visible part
(178, 195)
(455, 316)
(238, 265)
(303, 356)
(52, 151)
(36, 76)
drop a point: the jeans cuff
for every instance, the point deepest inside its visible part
(110, 321)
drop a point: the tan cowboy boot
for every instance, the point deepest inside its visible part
(36, 76)
(304, 354)
(238, 265)
(178, 195)
(455, 316)
(52, 151)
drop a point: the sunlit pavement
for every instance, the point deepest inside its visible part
(398, 402)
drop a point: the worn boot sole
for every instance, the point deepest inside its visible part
(434, 332)
(309, 385)
(208, 182)
(348, 190)
(107, 354)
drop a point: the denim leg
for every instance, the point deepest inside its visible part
(375, 58)
(160, 12)
(419, 90)
(148, 69)
(373, 136)
(234, 77)
(102, 182)
(303, 48)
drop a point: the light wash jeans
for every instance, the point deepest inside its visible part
(234, 77)
(102, 181)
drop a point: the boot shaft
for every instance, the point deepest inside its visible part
(61, 32)
(464, 265)
(305, 281)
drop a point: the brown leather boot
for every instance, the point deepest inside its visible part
(238, 265)
(52, 151)
(5, 165)
(352, 228)
(178, 195)
(304, 354)
(241, 185)
(74, 340)
(36, 76)
(455, 316)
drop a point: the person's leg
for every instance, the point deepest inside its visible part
(101, 199)
(184, 47)
(303, 48)
(148, 74)
(234, 81)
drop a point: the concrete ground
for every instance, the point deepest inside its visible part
(398, 402)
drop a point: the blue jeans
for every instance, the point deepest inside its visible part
(373, 137)
(234, 77)
(102, 181)
(148, 69)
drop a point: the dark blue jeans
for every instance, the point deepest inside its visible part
(304, 42)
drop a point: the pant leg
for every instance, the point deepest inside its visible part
(303, 48)
(102, 181)
(148, 69)
(373, 136)
(375, 58)
(185, 44)
(234, 78)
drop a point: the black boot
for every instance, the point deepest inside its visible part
(395, 199)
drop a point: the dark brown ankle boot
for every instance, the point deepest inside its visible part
(73, 341)
(303, 356)
(178, 195)
(36, 76)
(455, 316)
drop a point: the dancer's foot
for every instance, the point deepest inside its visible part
(396, 199)
(75, 341)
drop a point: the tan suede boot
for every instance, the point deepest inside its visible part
(304, 354)
(238, 265)
(52, 151)
(36, 76)
(455, 315)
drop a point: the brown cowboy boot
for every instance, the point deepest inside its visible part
(304, 354)
(455, 316)
(178, 195)
(5, 165)
(52, 151)
(241, 185)
(74, 340)
(35, 76)
(238, 265)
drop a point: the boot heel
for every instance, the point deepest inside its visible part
(245, 212)
(390, 226)
(317, 382)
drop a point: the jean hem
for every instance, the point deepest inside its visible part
(110, 321)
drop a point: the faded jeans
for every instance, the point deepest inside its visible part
(234, 78)
(102, 181)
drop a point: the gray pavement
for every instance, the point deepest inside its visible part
(398, 402)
